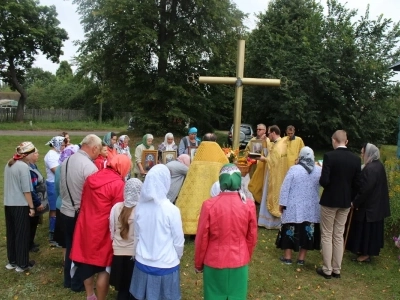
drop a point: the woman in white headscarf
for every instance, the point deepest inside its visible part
(122, 235)
(371, 206)
(159, 240)
(167, 145)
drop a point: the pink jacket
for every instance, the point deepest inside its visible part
(227, 232)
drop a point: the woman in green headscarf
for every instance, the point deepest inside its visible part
(140, 170)
(225, 240)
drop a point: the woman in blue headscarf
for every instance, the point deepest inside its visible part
(110, 139)
(191, 140)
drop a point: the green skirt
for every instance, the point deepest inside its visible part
(223, 284)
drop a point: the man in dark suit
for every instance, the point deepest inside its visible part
(340, 175)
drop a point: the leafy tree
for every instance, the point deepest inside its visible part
(334, 70)
(26, 28)
(140, 53)
(64, 70)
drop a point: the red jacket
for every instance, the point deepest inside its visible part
(92, 243)
(100, 162)
(227, 232)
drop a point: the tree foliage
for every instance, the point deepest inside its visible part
(25, 29)
(140, 53)
(334, 71)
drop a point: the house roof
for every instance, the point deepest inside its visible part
(395, 67)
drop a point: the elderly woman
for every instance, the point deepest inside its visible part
(299, 205)
(178, 169)
(225, 240)
(110, 139)
(146, 144)
(122, 146)
(122, 234)
(371, 207)
(167, 145)
(159, 240)
(51, 161)
(92, 247)
(18, 207)
(190, 140)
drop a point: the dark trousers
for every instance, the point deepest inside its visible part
(18, 234)
(125, 295)
(75, 283)
(34, 221)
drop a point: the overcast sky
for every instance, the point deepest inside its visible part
(70, 20)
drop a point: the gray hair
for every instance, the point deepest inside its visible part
(91, 140)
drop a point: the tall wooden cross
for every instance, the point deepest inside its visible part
(239, 81)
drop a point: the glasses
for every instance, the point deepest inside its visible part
(260, 129)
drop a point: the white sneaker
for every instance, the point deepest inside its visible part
(30, 265)
(10, 266)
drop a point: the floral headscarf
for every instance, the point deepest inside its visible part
(131, 198)
(145, 138)
(67, 152)
(56, 143)
(121, 141)
(121, 164)
(24, 149)
(307, 159)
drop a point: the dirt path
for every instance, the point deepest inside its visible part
(48, 133)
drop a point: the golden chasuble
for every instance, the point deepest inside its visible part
(278, 166)
(203, 172)
(293, 149)
(257, 179)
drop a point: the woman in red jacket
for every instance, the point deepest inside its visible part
(92, 247)
(226, 237)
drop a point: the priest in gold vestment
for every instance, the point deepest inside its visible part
(277, 165)
(203, 172)
(294, 145)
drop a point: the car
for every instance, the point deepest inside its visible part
(246, 134)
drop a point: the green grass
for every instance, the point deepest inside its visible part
(268, 278)
(63, 126)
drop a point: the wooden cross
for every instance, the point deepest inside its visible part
(239, 81)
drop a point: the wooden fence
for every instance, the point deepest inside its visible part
(68, 115)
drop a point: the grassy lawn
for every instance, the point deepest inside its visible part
(268, 278)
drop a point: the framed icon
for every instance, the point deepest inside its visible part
(256, 146)
(192, 152)
(168, 156)
(149, 159)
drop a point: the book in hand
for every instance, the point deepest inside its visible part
(254, 155)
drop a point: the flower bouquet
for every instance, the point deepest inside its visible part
(231, 154)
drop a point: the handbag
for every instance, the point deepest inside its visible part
(41, 191)
(69, 193)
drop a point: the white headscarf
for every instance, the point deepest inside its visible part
(156, 185)
(131, 198)
(169, 147)
(215, 189)
(371, 153)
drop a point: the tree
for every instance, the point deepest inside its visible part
(64, 70)
(26, 28)
(334, 70)
(142, 52)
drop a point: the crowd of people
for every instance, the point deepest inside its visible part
(129, 232)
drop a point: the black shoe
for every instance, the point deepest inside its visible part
(334, 275)
(301, 262)
(321, 272)
(34, 249)
(285, 261)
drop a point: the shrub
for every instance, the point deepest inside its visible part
(392, 224)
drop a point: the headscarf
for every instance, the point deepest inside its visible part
(192, 130)
(156, 185)
(215, 189)
(121, 164)
(131, 198)
(230, 179)
(23, 150)
(144, 140)
(169, 147)
(121, 140)
(371, 153)
(67, 152)
(56, 143)
(107, 138)
(307, 159)
(185, 159)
